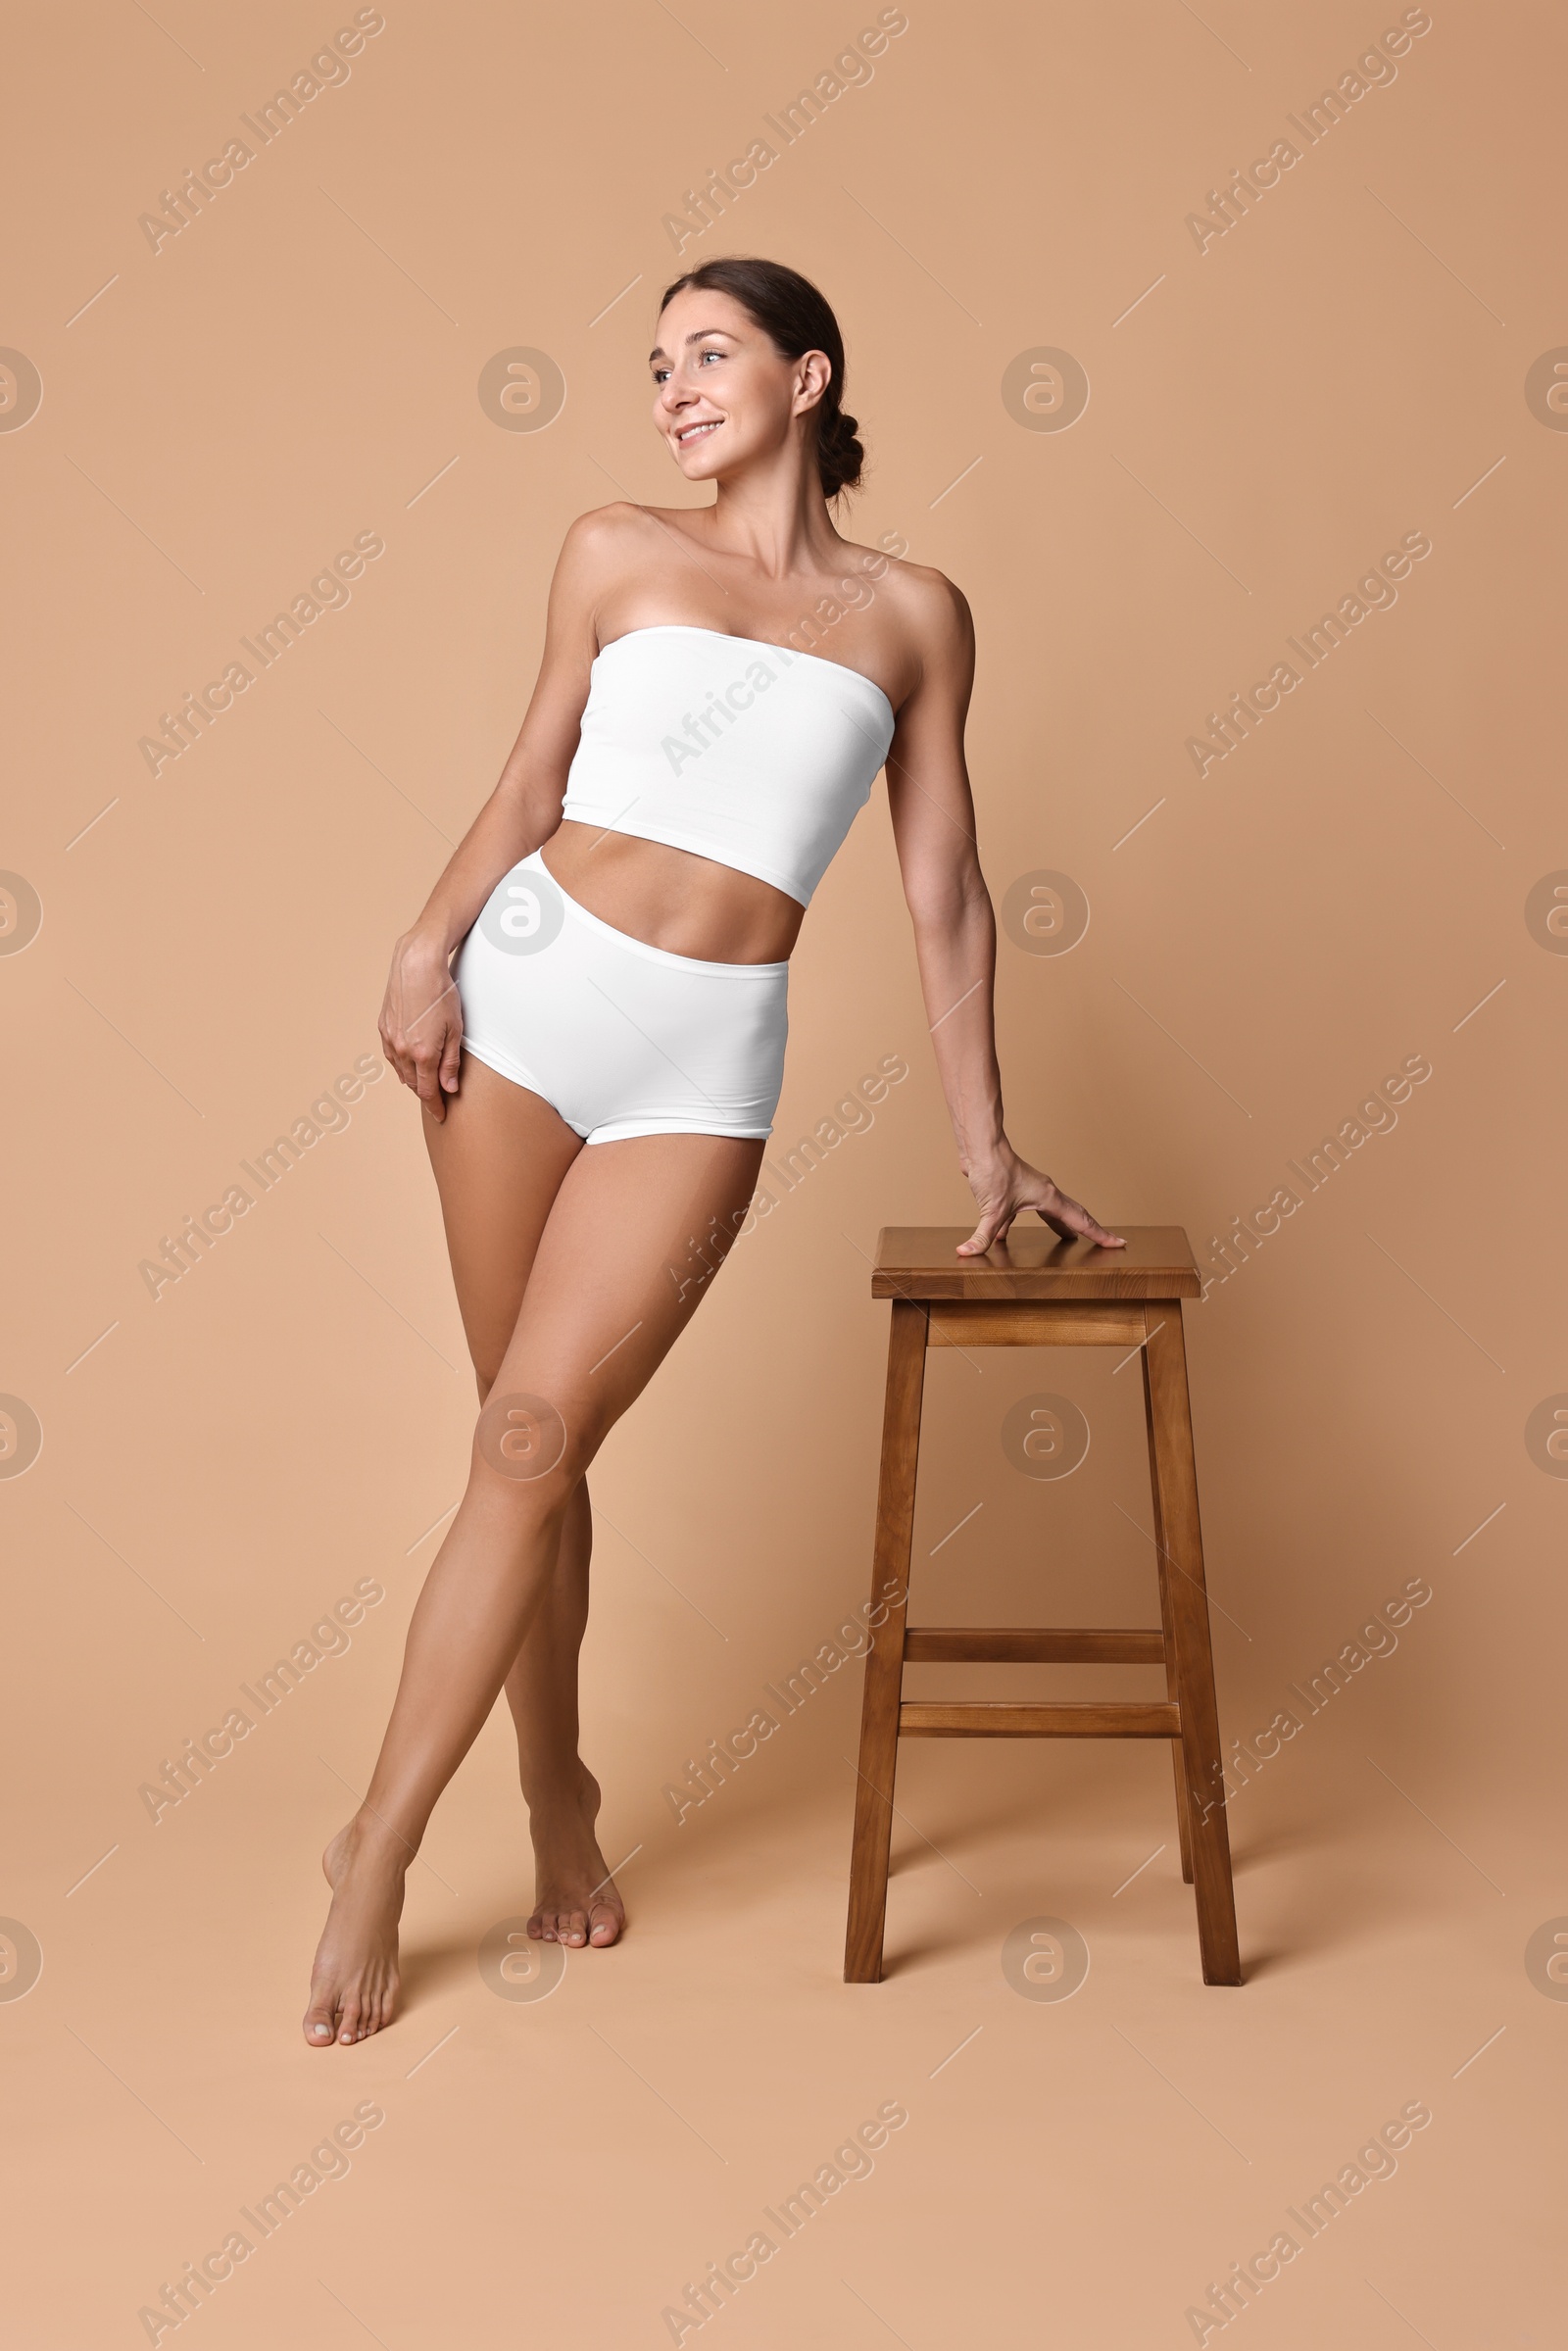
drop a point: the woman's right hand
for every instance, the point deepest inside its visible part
(421, 1021)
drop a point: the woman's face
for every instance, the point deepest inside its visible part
(722, 394)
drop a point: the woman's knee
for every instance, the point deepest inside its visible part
(530, 1441)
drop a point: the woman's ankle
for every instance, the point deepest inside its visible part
(559, 1787)
(369, 1841)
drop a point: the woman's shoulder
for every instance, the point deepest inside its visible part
(600, 550)
(606, 528)
(931, 612)
(610, 546)
(920, 589)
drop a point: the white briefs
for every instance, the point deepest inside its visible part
(621, 1039)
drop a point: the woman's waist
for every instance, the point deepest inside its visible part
(672, 898)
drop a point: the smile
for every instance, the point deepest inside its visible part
(692, 432)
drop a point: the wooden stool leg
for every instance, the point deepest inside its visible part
(1175, 1478)
(884, 1663)
(1178, 1767)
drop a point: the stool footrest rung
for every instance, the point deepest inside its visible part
(1097, 1322)
(997, 1718)
(1008, 1645)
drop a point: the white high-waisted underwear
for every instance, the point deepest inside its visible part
(621, 1039)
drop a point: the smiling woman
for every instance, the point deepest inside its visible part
(591, 1011)
(794, 315)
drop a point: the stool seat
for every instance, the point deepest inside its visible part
(920, 1262)
(1033, 1290)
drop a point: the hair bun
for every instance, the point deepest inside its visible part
(839, 453)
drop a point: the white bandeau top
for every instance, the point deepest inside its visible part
(748, 753)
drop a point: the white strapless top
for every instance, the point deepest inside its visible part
(751, 754)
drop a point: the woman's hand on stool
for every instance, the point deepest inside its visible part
(1007, 1184)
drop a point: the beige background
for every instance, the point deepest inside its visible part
(299, 366)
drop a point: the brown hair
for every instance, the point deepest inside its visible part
(796, 318)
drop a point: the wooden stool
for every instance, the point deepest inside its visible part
(1033, 1290)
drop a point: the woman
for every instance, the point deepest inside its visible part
(599, 1068)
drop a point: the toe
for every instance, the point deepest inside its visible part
(574, 1927)
(319, 2021)
(606, 1927)
(348, 2026)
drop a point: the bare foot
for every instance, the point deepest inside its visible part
(575, 1901)
(354, 1983)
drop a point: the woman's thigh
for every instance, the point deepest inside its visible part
(630, 1248)
(498, 1158)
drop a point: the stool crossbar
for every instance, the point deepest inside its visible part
(1033, 1290)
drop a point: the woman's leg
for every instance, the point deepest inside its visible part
(575, 1899)
(499, 1156)
(614, 1280)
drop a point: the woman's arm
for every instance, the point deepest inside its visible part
(954, 929)
(422, 1019)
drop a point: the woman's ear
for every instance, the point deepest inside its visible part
(812, 380)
